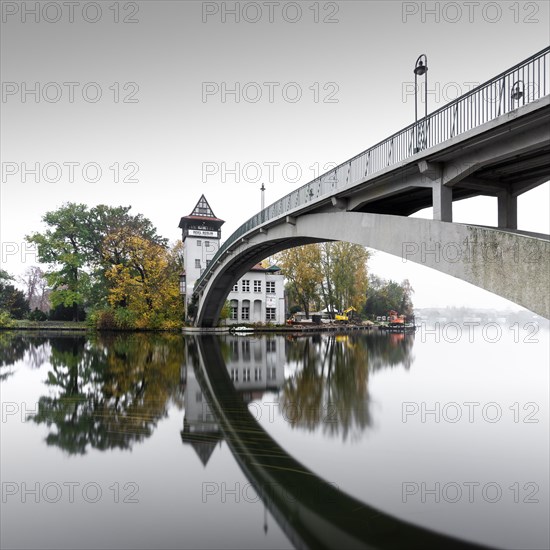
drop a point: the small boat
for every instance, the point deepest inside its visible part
(241, 329)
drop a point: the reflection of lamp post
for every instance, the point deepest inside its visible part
(420, 68)
(516, 93)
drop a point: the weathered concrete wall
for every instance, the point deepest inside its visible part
(514, 266)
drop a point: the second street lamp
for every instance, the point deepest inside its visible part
(420, 68)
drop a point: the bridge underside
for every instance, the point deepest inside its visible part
(507, 159)
(511, 265)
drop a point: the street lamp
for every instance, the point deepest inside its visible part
(420, 68)
(516, 93)
(262, 189)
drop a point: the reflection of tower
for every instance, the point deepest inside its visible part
(256, 365)
(200, 430)
(201, 235)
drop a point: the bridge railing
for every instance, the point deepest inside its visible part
(521, 84)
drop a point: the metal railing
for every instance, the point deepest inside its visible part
(521, 84)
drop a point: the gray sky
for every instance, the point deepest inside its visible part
(317, 82)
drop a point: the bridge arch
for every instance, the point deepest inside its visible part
(507, 263)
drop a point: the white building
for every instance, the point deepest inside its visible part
(257, 297)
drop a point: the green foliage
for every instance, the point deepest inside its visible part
(332, 274)
(226, 310)
(12, 300)
(113, 262)
(5, 320)
(383, 296)
(37, 315)
(74, 246)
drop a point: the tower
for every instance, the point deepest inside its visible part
(201, 236)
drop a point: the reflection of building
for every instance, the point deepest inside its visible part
(255, 365)
(257, 297)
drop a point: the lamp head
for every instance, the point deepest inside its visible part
(517, 93)
(420, 68)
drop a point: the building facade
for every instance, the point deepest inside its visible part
(257, 297)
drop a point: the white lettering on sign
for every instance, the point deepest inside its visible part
(200, 233)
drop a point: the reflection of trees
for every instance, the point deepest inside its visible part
(14, 347)
(110, 391)
(329, 387)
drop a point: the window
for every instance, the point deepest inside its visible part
(235, 375)
(207, 244)
(257, 286)
(246, 375)
(271, 373)
(245, 284)
(258, 374)
(270, 287)
(234, 313)
(235, 287)
(208, 262)
(199, 243)
(246, 350)
(198, 264)
(234, 347)
(245, 313)
(270, 313)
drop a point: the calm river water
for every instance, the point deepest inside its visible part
(276, 441)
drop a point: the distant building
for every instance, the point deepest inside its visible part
(257, 297)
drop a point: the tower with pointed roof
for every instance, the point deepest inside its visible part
(201, 234)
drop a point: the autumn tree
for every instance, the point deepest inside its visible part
(345, 280)
(302, 269)
(333, 273)
(73, 247)
(144, 282)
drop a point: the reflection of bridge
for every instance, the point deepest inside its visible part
(312, 512)
(493, 141)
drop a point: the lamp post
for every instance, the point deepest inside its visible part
(517, 92)
(420, 68)
(262, 189)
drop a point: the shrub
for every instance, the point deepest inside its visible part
(37, 315)
(5, 319)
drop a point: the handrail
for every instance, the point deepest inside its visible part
(470, 111)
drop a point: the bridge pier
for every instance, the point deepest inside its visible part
(507, 210)
(442, 198)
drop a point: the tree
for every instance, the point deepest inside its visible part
(145, 282)
(65, 246)
(35, 283)
(383, 296)
(74, 248)
(344, 268)
(302, 269)
(333, 272)
(12, 300)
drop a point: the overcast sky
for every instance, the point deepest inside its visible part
(141, 91)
